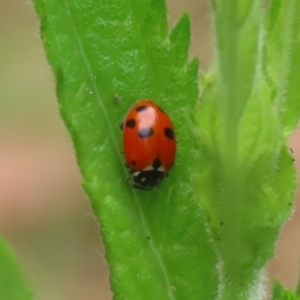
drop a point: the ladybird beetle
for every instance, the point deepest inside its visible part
(149, 144)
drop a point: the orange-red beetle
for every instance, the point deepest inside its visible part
(149, 144)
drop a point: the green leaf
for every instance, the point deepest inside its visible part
(247, 180)
(282, 293)
(235, 22)
(283, 58)
(180, 38)
(298, 285)
(106, 55)
(12, 282)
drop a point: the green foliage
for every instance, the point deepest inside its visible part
(12, 283)
(247, 183)
(108, 54)
(283, 59)
(282, 293)
(156, 244)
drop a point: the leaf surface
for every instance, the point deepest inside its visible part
(106, 55)
(12, 283)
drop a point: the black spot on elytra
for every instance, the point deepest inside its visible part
(156, 164)
(145, 132)
(141, 108)
(169, 133)
(133, 162)
(130, 123)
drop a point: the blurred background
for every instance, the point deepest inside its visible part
(44, 214)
